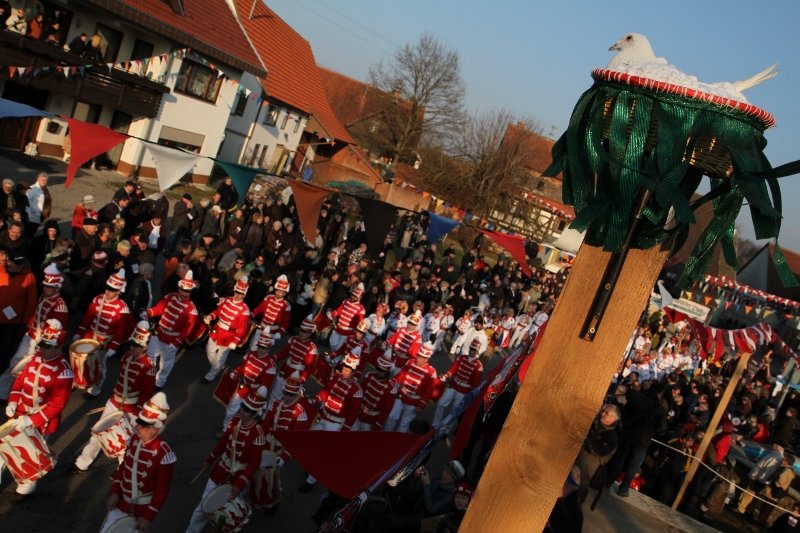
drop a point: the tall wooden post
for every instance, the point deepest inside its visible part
(561, 394)
(741, 366)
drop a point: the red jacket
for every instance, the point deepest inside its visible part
(464, 374)
(379, 396)
(416, 384)
(302, 355)
(47, 308)
(239, 451)
(282, 416)
(254, 372)
(154, 463)
(347, 316)
(273, 311)
(178, 318)
(135, 384)
(233, 322)
(340, 401)
(18, 292)
(50, 382)
(109, 322)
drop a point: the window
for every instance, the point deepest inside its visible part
(296, 124)
(198, 81)
(285, 121)
(240, 105)
(111, 40)
(175, 138)
(540, 185)
(271, 116)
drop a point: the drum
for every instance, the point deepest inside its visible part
(226, 387)
(25, 453)
(84, 355)
(226, 514)
(199, 332)
(126, 524)
(113, 432)
(265, 490)
(250, 330)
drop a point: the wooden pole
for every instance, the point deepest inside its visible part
(712, 426)
(561, 394)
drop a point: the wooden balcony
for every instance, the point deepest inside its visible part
(134, 95)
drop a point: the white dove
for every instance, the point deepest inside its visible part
(636, 57)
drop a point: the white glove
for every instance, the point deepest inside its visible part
(11, 409)
(279, 462)
(232, 346)
(110, 353)
(22, 422)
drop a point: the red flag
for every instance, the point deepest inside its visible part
(347, 462)
(515, 245)
(88, 141)
(308, 200)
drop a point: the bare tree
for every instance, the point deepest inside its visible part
(427, 91)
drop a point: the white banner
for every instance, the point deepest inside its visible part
(689, 308)
(171, 164)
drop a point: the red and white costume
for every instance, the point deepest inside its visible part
(446, 321)
(349, 314)
(178, 316)
(377, 326)
(507, 327)
(41, 392)
(254, 372)
(47, 308)
(431, 326)
(380, 392)
(395, 321)
(135, 385)
(239, 453)
(142, 480)
(463, 375)
(274, 314)
(539, 319)
(463, 325)
(301, 356)
(233, 323)
(404, 345)
(110, 323)
(524, 323)
(415, 382)
(339, 404)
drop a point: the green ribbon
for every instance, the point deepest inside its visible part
(606, 160)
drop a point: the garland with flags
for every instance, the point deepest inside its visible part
(741, 293)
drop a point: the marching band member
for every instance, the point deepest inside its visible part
(135, 385)
(237, 454)
(286, 414)
(446, 321)
(233, 319)
(257, 370)
(463, 325)
(300, 354)
(507, 326)
(522, 330)
(463, 375)
(108, 321)
(274, 312)
(141, 482)
(349, 314)
(51, 305)
(380, 391)
(339, 404)
(415, 380)
(355, 344)
(40, 392)
(431, 321)
(176, 315)
(405, 342)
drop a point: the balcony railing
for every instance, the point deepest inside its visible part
(135, 95)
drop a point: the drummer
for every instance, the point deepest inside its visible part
(51, 305)
(108, 321)
(233, 320)
(40, 392)
(135, 385)
(236, 456)
(141, 482)
(257, 369)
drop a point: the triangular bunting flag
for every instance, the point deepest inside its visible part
(21, 71)
(515, 245)
(88, 141)
(171, 164)
(707, 299)
(747, 309)
(728, 304)
(378, 219)
(439, 227)
(11, 109)
(241, 175)
(308, 200)
(12, 71)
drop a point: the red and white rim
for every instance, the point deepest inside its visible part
(602, 74)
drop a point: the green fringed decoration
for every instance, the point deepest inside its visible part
(622, 139)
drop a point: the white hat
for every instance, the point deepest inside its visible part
(141, 333)
(256, 399)
(282, 283)
(154, 412)
(116, 282)
(187, 283)
(426, 350)
(52, 277)
(52, 332)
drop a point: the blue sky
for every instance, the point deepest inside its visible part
(535, 58)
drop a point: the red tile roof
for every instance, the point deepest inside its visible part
(536, 148)
(208, 26)
(347, 94)
(293, 74)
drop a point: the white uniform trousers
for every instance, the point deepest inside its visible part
(198, 520)
(25, 348)
(217, 355)
(400, 417)
(449, 397)
(438, 340)
(165, 353)
(458, 340)
(112, 517)
(96, 388)
(92, 448)
(517, 337)
(337, 339)
(363, 426)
